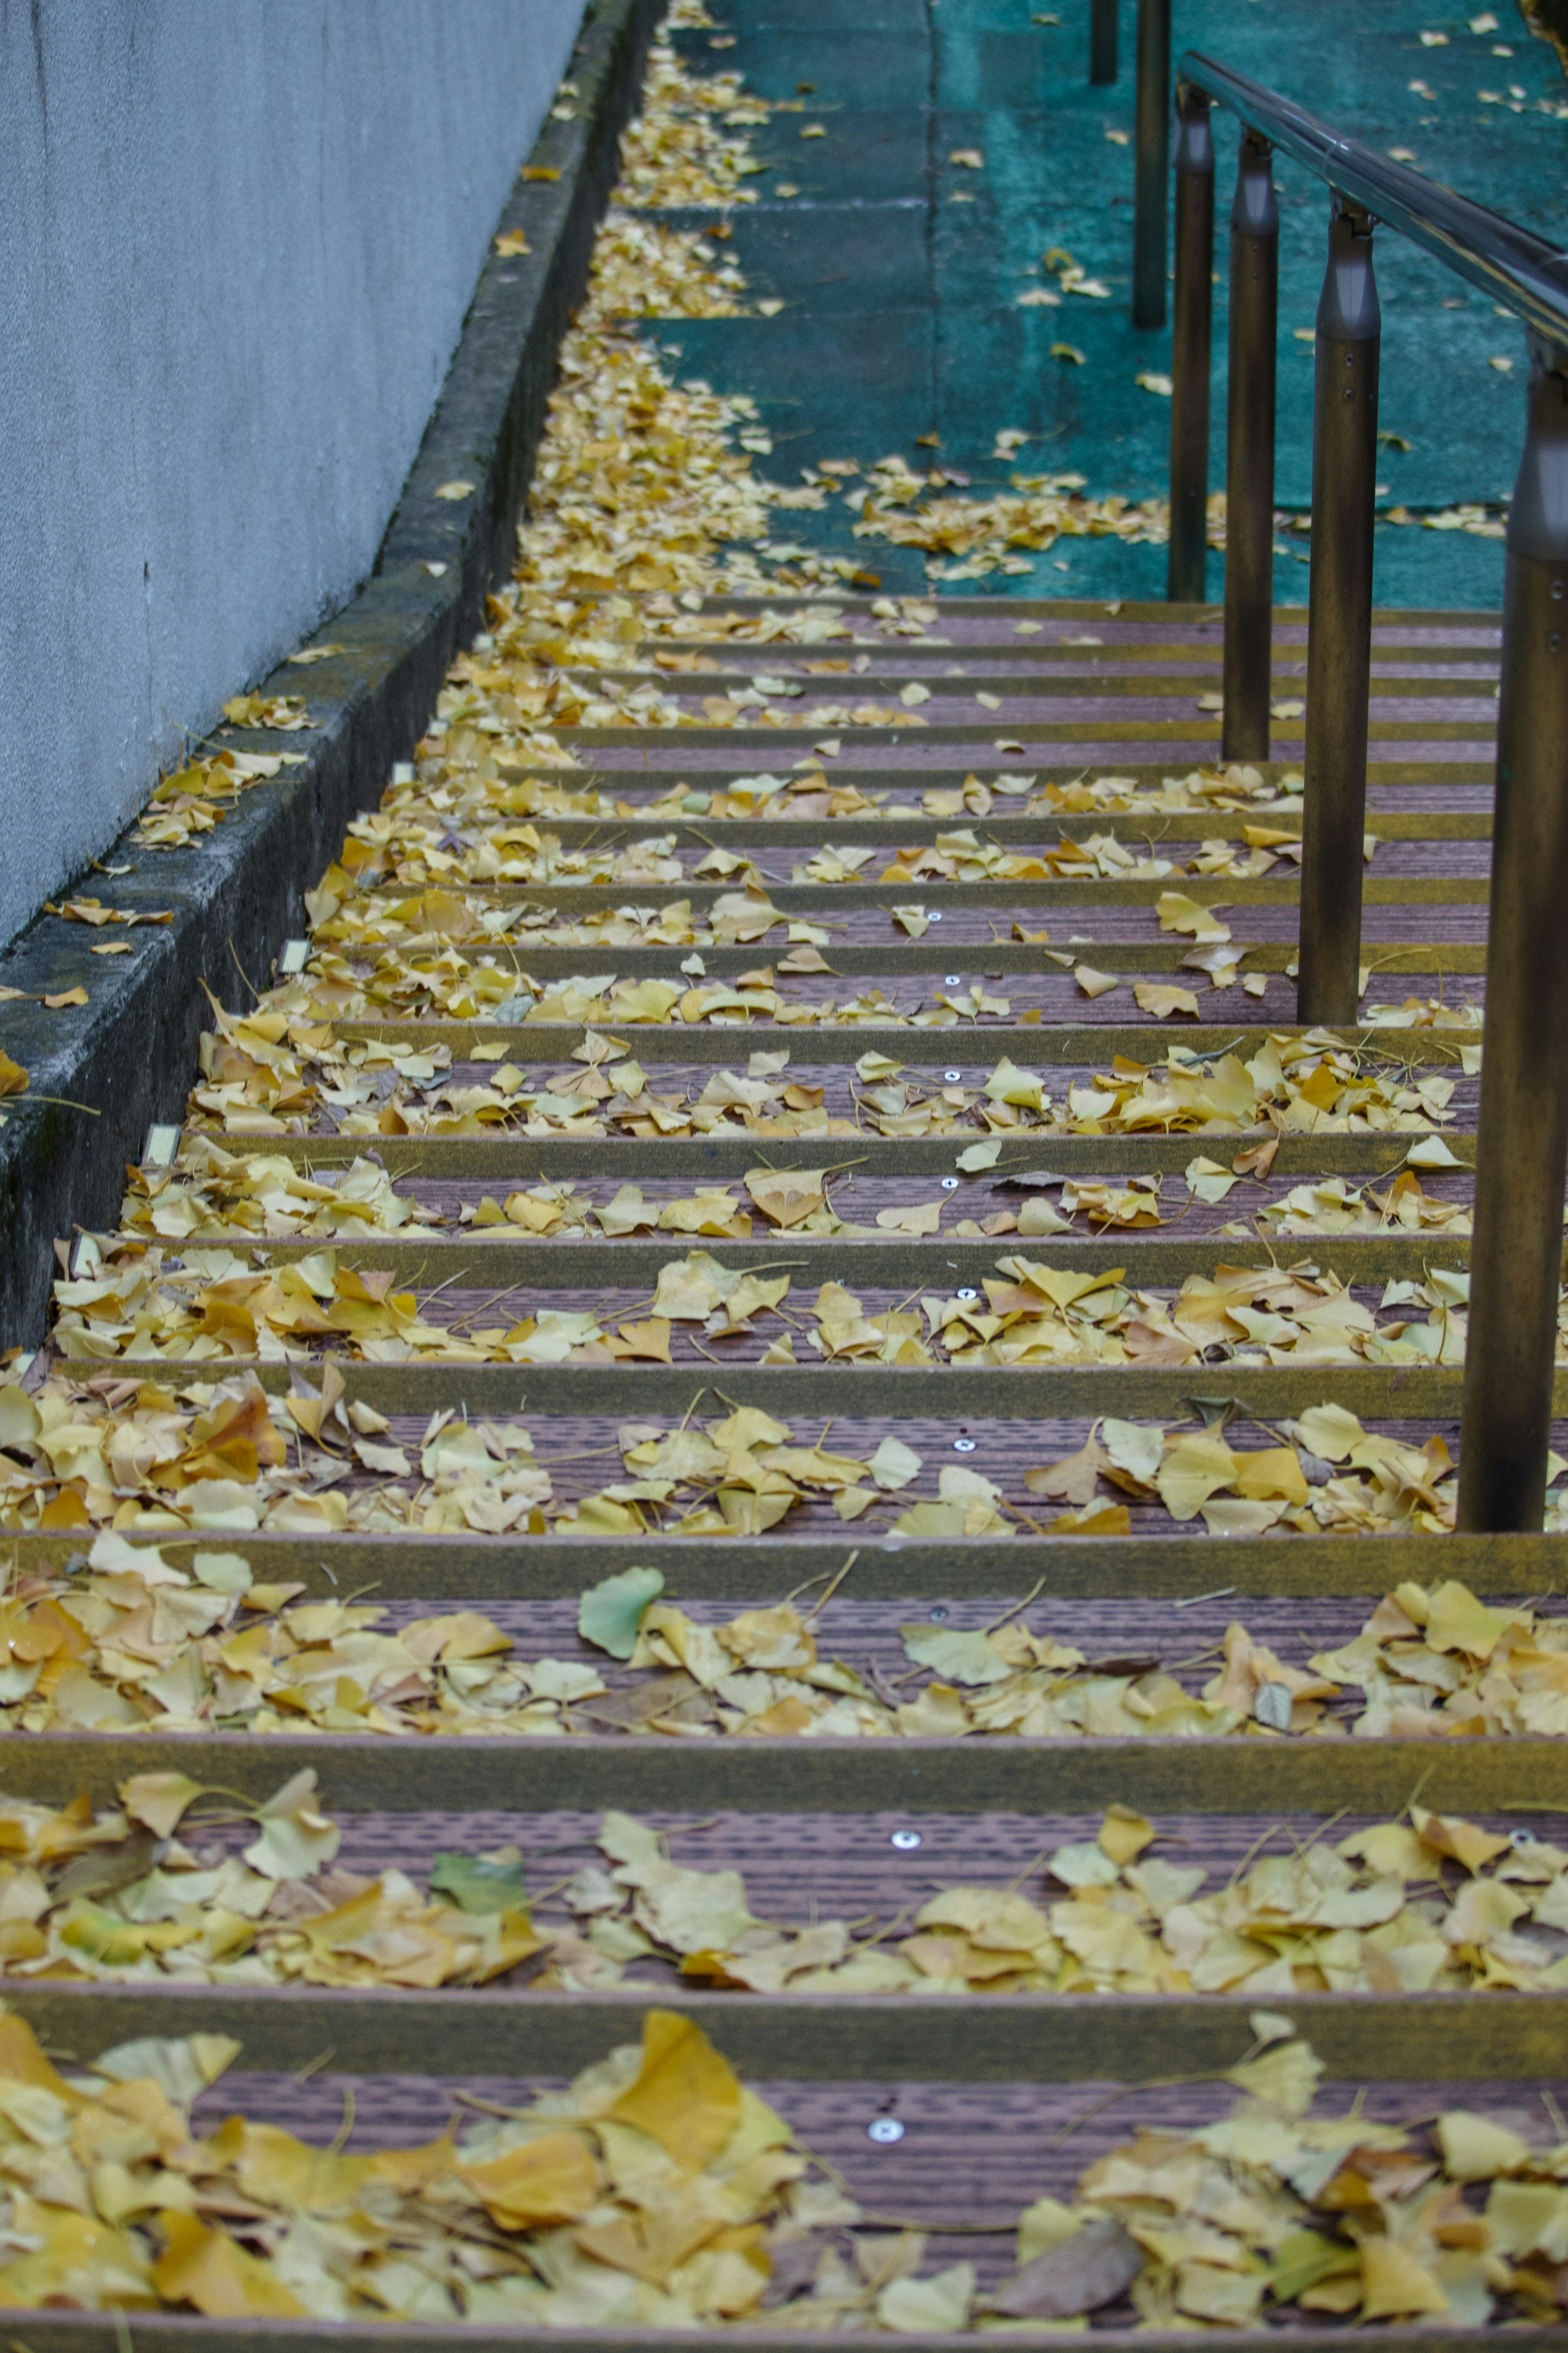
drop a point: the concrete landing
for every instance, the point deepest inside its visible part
(900, 270)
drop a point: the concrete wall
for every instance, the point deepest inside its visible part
(241, 237)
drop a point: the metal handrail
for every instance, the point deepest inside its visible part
(1522, 1167)
(1511, 264)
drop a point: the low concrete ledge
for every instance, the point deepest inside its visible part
(103, 1074)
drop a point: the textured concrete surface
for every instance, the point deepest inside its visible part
(902, 271)
(240, 242)
(101, 1073)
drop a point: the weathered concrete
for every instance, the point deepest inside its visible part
(239, 244)
(127, 1056)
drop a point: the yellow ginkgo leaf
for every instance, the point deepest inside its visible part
(685, 2096)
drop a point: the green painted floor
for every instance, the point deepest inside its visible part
(900, 270)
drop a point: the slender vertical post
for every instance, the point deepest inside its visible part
(1338, 623)
(1153, 134)
(1249, 455)
(1186, 572)
(1517, 1256)
(1102, 41)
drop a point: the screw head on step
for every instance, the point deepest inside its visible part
(952, 1076)
(885, 2131)
(905, 1840)
(965, 1445)
(953, 979)
(967, 1292)
(950, 1184)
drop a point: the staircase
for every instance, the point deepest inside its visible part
(1026, 709)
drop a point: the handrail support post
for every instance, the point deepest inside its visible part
(1521, 1164)
(1339, 624)
(1249, 454)
(1152, 134)
(1102, 42)
(1186, 573)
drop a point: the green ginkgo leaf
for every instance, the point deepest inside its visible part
(609, 1614)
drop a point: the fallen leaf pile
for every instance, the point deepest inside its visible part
(1327, 1205)
(130, 1305)
(968, 538)
(118, 1447)
(1384, 1483)
(1034, 1315)
(637, 485)
(675, 154)
(1445, 1663)
(1423, 1013)
(357, 912)
(279, 1070)
(1293, 1084)
(640, 486)
(1480, 522)
(192, 800)
(1457, 2218)
(645, 269)
(215, 1192)
(656, 2191)
(1236, 785)
(284, 711)
(93, 913)
(144, 1890)
(1395, 1907)
(134, 1641)
(83, 1453)
(1221, 790)
(133, 1306)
